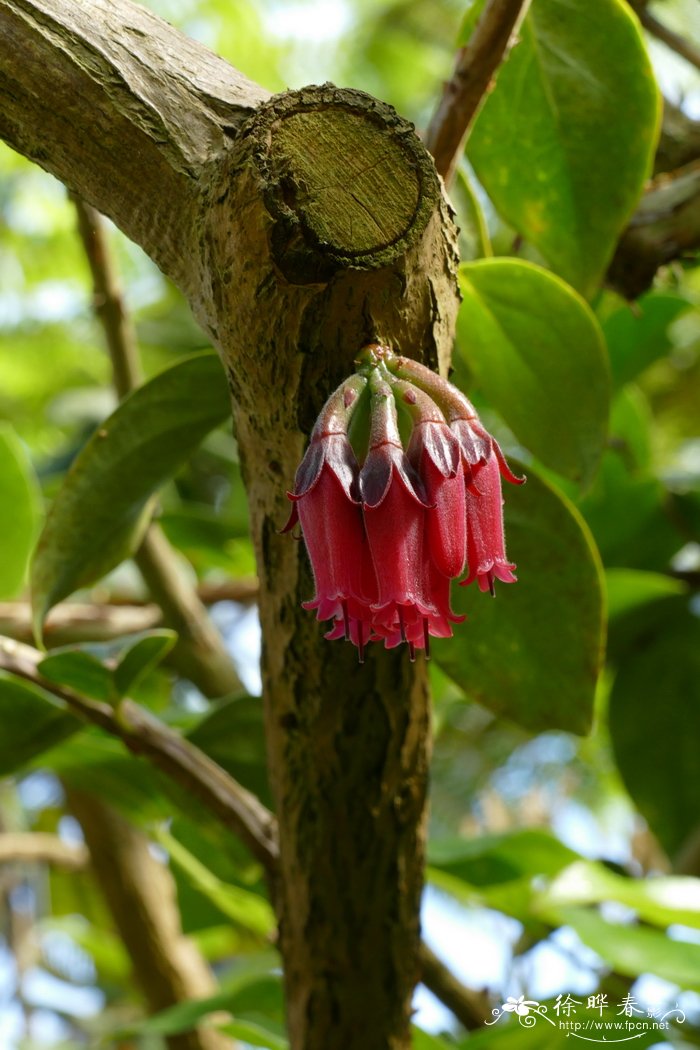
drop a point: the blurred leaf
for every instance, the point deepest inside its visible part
(79, 670)
(634, 950)
(98, 515)
(637, 335)
(254, 1035)
(145, 654)
(32, 722)
(628, 514)
(534, 653)
(232, 733)
(535, 348)
(655, 725)
(245, 908)
(491, 859)
(660, 900)
(565, 141)
(20, 503)
(629, 588)
(426, 1041)
(474, 240)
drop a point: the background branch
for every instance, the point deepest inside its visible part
(141, 896)
(470, 1008)
(680, 44)
(200, 653)
(237, 809)
(40, 847)
(462, 95)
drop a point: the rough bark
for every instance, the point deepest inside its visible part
(140, 894)
(319, 227)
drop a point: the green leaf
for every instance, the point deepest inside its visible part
(661, 900)
(536, 349)
(145, 654)
(245, 908)
(79, 670)
(254, 1034)
(565, 141)
(638, 337)
(474, 240)
(233, 734)
(32, 722)
(534, 653)
(655, 725)
(628, 589)
(492, 859)
(634, 950)
(98, 515)
(21, 503)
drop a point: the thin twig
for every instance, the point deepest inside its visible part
(476, 66)
(236, 807)
(469, 1007)
(200, 651)
(680, 44)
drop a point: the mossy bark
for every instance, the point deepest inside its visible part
(299, 234)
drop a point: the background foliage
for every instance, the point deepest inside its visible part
(564, 863)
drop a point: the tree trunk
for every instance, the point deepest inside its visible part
(316, 228)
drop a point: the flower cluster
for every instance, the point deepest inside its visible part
(398, 493)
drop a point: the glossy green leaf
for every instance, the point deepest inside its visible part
(474, 240)
(245, 908)
(145, 654)
(536, 350)
(534, 653)
(655, 725)
(564, 142)
(634, 950)
(20, 503)
(80, 670)
(98, 515)
(32, 722)
(660, 900)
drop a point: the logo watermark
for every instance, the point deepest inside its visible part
(597, 1022)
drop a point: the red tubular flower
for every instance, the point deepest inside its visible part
(329, 512)
(486, 552)
(396, 518)
(391, 510)
(483, 465)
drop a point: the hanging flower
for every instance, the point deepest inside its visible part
(399, 489)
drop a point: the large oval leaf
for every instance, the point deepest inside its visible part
(537, 351)
(564, 143)
(97, 517)
(32, 723)
(20, 502)
(534, 653)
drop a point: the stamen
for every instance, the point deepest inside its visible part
(426, 637)
(346, 619)
(360, 643)
(492, 585)
(412, 652)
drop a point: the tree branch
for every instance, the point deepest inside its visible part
(680, 44)
(39, 847)
(463, 94)
(237, 809)
(200, 652)
(141, 896)
(162, 104)
(470, 1008)
(665, 226)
